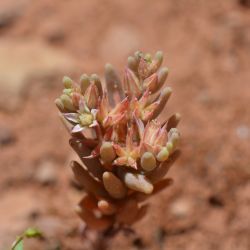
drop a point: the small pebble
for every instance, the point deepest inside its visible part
(6, 136)
(138, 243)
(181, 208)
(46, 173)
(215, 201)
(243, 132)
(244, 3)
(9, 15)
(160, 235)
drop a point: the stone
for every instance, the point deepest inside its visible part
(245, 3)
(6, 136)
(181, 208)
(46, 173)
(243, 132)
(53, 31)
(10, 11)
(24, 62)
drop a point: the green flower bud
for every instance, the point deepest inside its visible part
(163, 155)
(138, 182)
(67, 91)
(95, 78)
(67, 82)
(67, 102)
(170, 146)
(84, 83)
(148, 58)
(59, 104)
(159, 57)
(132, 63)
(107, 152)
(162, 76)
(138, 54)
(114, 185)
(174, 136)
(148, 161)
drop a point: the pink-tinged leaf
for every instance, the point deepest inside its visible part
(91, 96)
(90, 143)
(107, 136)
(135, 153)
(84, 178)
(94, 153)
(72, 117)
(120, 107)
(125, 161)
(93, 165)
(131, 162)
(155, 65)
(150, 83)
(162, 136)
(121, 161)
(157, 127)
(116, 133)
(143, 69)
(75, 99)
(82, 105)
(140, 126)
(119, 118)
(114, 120)
(125, 85)
(113, 84)
(107, 122)
(144, 99)
(90, 156)
(77, 128)
(112, 134)
(164, 96)
(135, 107)
(96, 80)
(103, 107)
(129, 140)
(119, 150)
(173, 121)
(98, 132)
(145, 147)
(148, 112)
(121, 131)
(133, 103)
(150, 131)
(133, 82)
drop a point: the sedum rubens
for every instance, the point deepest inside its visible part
(126, 152)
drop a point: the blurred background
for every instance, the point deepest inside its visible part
(207, 49)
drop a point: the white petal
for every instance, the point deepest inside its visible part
(72, 117)
(77, 128)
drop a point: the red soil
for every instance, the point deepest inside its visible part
(207, 47)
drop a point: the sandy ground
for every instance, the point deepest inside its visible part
(207, 49)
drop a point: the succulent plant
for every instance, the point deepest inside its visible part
(125, 151)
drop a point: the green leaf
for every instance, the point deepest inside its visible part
(18, 244)
(32, 233)
(29, 233)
